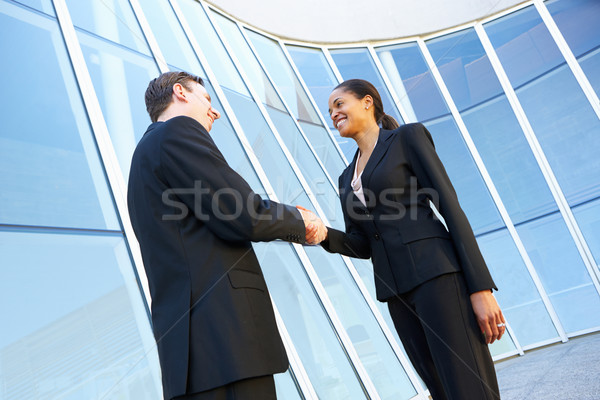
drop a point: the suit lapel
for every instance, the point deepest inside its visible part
(383, 143)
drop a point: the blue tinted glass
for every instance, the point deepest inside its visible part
(50, 171)
(509, 160)
(588, 219)
(578, 23)
(517, 295)
(111, 19)
(318, 347)
(560, 114)
(78, 325)
(562, 272)
(284, 77)
(471, 190)
(412, 80)
(254, 72)
(320, 79)
(465, 68)
(173, 43)
(357, 63)
(44, 6)
(324, 146)
(120, 79)
(211, 46)
(317, 75)
(523, 34)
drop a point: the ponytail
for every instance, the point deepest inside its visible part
(388, 122)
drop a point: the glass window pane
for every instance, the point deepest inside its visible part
(44, 6)
(211, 45)
(252, 68)
(412, 80)
(562, 272)
(465, 68)
(560, 114)
(78, 326)
(309, 327)
(518, 297)
(588, 219)
(173, 43)
(320, 80)
(50, 170)
(578, 23)
(120, 79)
(111, 19)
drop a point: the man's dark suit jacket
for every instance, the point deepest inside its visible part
(212, 315)
(398, 229)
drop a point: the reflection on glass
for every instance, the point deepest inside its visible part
(44, 6)
(588, 219)
(252, 68)
(173, 43)
(291, 90)
(562, 272)
(578, 23)
(309, 327)
(520, 301)
(412, 80)
(285, 386)
(120, 79)
(562, 118)
(78, 327)
(211, 46)
(111, 19)
(50, 171)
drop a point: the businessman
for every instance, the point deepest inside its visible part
(195, 219)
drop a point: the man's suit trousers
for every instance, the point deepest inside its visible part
(438, 328)
(262, 388)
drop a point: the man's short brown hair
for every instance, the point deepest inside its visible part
(159, 91)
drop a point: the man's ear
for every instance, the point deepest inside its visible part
(179, 92)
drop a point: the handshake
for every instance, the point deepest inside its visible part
(316, 231)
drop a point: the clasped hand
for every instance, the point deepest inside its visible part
(316, 231)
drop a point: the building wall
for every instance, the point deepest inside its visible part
(511, 101)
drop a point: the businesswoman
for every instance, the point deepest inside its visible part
(435, 281)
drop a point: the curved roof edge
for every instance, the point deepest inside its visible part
(318, 21)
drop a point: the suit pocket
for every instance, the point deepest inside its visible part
(419, 232)
(246, 279)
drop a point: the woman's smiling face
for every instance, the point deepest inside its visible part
(349, 114)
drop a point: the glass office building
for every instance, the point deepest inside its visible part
(511, 101)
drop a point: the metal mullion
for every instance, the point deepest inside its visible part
(564, 48)
(538, 152)
(312, 100)
(287, 108)
(361, 372)
(152, 43)
(295, 361)
(110, 162)
(492, 190)
(389, 85)
(334, 67)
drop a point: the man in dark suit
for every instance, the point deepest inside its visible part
(195, 219)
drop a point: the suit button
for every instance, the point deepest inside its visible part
(376, 236)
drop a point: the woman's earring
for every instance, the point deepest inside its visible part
(367, 107)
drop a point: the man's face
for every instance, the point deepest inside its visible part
(202, 110)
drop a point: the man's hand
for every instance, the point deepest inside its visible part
(316, 231)
(489, 316)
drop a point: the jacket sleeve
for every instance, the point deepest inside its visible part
(352, 243)
(198, 176)
(431, 174)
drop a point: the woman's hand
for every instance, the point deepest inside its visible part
(489, 316)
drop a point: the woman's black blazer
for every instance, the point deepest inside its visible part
(398, 229)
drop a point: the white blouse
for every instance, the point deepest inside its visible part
(357, 181)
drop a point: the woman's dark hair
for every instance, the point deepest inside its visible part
(159, 91)
(360, 88)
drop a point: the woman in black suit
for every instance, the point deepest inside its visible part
(435, 281)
